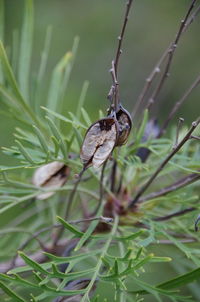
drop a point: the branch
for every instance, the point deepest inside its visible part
(171, 52)
(177, 105)
(185, 181)
(182, 29)
(175, 214)
(114, 93)
(164, 162)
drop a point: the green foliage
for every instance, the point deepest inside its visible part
(120, 256)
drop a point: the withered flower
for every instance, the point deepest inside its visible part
(99, 141)
(125, 124)
(52, 175)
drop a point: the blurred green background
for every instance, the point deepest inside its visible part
(152, 25)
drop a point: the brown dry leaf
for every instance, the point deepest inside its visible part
(52, 175)
(125, 125)
(99, 142)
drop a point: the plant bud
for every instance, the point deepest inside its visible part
(99, 141)
(53, 175)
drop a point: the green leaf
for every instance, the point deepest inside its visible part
(26, 48)
(56, 82)
(69, 259)
(82, 99)
(90, 230)
(41, 139)
(24, 152)
(11, 293)
(86, 117)
(69, 227)
(57, 135)
(181, 280)
(63, 118)
(13, 84)
(32, 263)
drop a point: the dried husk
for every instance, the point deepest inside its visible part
(125, 124)
(52, 175)
(99, 141)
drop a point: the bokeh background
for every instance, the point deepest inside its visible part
(152, 25)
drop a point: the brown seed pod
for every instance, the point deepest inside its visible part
(99, 141)
(125, 124)
(52, 175)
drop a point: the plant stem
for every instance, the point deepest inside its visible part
(114, 90)
(175, 214)
(172, 46)
(100, 262)
(177, 106)
(185, 181)
(171, 52)
(164, 162)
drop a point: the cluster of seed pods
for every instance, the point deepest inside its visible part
(103, 136)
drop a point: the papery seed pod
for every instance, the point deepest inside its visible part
(99, 141)
(53, 175)
(125, 124)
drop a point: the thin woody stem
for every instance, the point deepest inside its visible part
(171, 52)
(175, 214)
(164, 162)
(177, 105)
(121, 36)
(185, 181)
(114, 90)
(69, 204)
(149, 80)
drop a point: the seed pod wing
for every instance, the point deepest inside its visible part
(53, 175)
(99, 142)
(125, 125)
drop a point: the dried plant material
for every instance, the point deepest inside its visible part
(125, 125)
(53, 175)
(99, 142)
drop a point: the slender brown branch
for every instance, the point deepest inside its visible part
(114, 90)
(68, 207)
(175, 214)
(164, 162)
(185, 181)
(177, 106)
(149, 80)
(171, 52)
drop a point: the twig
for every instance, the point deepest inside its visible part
(175, 214)
(171, 52)
(195, 137)
(69, 204)
(177, 106)
(185, 181)
(149, 80)
(113, 176)
(164, 162)
(101, 189)
(114, 90)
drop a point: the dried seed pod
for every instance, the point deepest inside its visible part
(53, 175)
(125, 124)
(99, 141)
